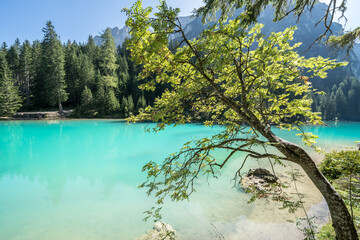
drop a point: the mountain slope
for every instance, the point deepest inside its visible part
(119, 34)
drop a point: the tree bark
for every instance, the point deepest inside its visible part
(61, 111)
(341, 219)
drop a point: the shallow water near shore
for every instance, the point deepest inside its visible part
(77, 179)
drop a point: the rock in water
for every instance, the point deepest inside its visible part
(162, 231)
(259, 179)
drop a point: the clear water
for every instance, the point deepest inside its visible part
(78, 180)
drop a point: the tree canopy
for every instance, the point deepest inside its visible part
(52, 64)
(10, 100)
(234, 77)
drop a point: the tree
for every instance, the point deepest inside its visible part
(283, 8)
(92, 51)
(108, 69)
(4, 47)
(141, 103)
(86, 71)
(52, 64)
(340, 104)
(25, 77)
(353, 99)
(12, 57)
(10, 100)
(86, 102)
(38, 86)
(86, 97)
(122, 73)
(72, 72)
(240, 80)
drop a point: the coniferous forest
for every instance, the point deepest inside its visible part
(95, 81)
(101, 81)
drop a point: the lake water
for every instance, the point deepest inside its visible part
(78, 179)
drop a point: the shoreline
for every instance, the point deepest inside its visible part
(55, 115)
(39, 115)
(50, 115)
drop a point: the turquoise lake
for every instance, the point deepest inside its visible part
(78, 179)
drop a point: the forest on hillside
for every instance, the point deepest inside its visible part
(96, 81)
(101, 81)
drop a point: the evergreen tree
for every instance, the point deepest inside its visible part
(125, 106)
(100, 93)
(129, 80)
(108, 69)
(53, 67)
(131, 105)
(10, 100)
(354, 100)
(341, 104)
(128, 106)
(38, 86)
(72, 73)
(4, 47)
(86, 97)
(25, 77)
(86, 102)
(86, 71)
(111, 103)
(12, 57)
(123, 74)
(92, 51)
(141, 103)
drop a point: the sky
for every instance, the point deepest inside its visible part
(77, 19)
(352, 14)
(73, 19)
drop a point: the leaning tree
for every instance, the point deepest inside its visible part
(234, 77)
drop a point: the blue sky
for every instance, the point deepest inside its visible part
(73, 19)
(76, 19)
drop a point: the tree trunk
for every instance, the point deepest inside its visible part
(341, 219)
(27, 89)
(61, 111)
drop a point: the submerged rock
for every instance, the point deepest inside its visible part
(161, 231)
(259, 179)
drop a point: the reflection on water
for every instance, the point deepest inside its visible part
(78, 180)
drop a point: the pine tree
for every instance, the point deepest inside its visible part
(341, 104)
(86, 97)
(128, 106)
(125, 106)
(53, 67)
(92, 51)
(108, 68)
(10, 100)
(123, 74)
(111, 103)
(25, 70)
(12, 57)
(353, 100)
(86, 72)
(4, 47)
(86, 102)
(131, 104)
(141, 102)
(38, 87)
(72, 73)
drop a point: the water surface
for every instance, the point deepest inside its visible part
(78, 180)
